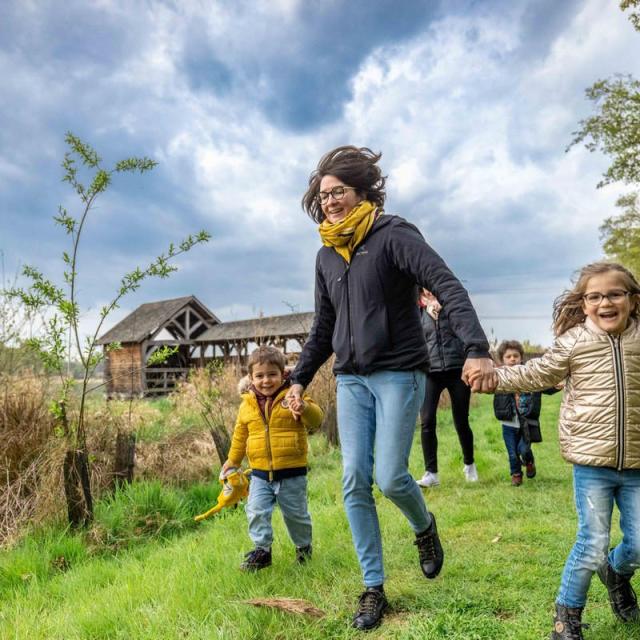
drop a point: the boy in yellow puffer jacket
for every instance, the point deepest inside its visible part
(275, 442)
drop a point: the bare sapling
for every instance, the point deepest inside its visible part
(62, 340)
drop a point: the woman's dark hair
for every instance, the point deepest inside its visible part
(357, 167)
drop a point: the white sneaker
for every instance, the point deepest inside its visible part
(429, 480)
(470, 472)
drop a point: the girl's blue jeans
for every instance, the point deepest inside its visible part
(377, 413)
(291, 496)
(596, 489)
(518, 449)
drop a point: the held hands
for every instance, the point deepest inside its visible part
(294, 400)
(480, 375)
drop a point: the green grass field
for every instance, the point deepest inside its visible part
(505, 548)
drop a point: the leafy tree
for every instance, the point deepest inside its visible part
(61, 339)
(634, 16)
(621, 234)
(614, 129)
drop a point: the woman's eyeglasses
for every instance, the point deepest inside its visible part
(614, 297)
(337, 193)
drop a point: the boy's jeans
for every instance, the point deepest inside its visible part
(291, 496)
(378, 412)
(596, 489)
(518, 449)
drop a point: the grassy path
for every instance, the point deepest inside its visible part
(504, 546)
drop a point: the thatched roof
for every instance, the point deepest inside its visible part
(290, 325)
(149, 317)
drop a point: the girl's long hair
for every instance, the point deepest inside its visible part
(567, 308)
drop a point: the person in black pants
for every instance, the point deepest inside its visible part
(446, 358)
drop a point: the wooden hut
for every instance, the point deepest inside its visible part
(232, 340)
(176, 323)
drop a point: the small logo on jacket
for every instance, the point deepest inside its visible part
(362, 251)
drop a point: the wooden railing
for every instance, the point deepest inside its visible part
(161, 380)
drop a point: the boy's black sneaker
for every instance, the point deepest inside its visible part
(567, 624)
(531, 469)
(371, 607)
(430, 550)
(622, 597)
(303, 554)
(256, 560)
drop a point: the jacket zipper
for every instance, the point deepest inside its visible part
(352, 346)
(266, 418)
(440, 345)
(618, 369)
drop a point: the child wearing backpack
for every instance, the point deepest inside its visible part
(519, 414)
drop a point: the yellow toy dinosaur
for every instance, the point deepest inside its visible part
(235, 487)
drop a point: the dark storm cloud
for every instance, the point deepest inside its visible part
(299, 71)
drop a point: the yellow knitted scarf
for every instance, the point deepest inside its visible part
(345, 235)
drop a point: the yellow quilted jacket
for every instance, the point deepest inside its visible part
(599, 421)
(279, 442)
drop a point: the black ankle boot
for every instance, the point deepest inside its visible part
(256, 559)
(371, 607)
(567, 624)
(303, 554)
(622, 597)
(430, 550)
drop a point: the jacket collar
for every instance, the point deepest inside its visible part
(594, 328)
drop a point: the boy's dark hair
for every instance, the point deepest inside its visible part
(509, 344)
(266, 355)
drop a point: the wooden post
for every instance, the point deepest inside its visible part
(124, 458)
(77, 488)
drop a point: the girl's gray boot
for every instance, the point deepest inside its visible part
(622, 597)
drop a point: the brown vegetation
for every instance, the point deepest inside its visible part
(31, 457)
(174, 439)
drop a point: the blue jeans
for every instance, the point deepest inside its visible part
(596, 489)
(378, 413)
(291, 496)
(518, 449)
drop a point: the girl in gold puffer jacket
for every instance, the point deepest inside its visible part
(597, 354)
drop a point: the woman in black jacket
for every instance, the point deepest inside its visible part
(446, 359)
(367, 276)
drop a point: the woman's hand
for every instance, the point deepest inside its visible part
(297, 408)
(480, 375)
(295, 401)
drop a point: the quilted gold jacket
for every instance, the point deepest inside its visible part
(600, 414)
(277, 442)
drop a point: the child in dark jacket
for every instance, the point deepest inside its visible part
(518, 412)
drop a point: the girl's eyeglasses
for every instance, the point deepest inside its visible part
(337, 193)
(595, 298)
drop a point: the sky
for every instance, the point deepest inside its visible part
(471, 102)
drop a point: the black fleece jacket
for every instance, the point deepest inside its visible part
(445, 349)
(366, 311)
